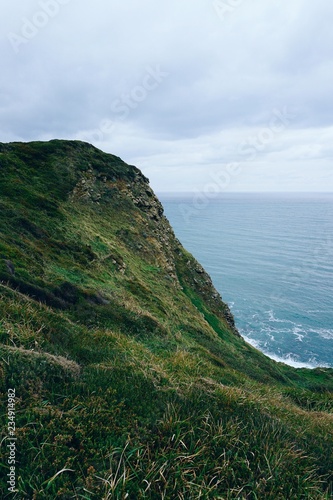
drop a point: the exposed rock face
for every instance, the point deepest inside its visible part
(96, 187)
(144, 198)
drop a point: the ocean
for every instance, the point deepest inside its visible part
(271, 258)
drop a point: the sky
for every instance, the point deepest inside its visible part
(202, 95)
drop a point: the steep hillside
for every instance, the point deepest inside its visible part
(131, 379)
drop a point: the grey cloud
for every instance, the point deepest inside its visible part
(72, 78)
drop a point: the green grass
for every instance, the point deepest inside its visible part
(131, 380)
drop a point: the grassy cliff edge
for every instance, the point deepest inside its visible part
(131, 379)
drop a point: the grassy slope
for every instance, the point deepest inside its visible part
(126, 366)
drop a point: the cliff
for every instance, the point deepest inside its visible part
(130, 375)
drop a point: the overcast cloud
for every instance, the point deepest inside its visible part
(183, 89)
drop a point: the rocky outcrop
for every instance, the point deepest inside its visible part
(98, 186)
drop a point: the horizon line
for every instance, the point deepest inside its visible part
(197, 192)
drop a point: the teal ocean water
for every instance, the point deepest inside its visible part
(271, 259)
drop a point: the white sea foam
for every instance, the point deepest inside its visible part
(273, 319)
(324, 333)
(288, 360)
(297, 332)
(253, 342)
(291, 361)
